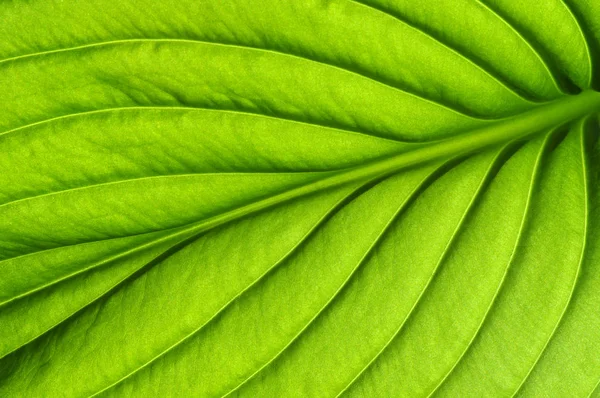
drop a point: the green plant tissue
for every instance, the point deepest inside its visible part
(316, 198)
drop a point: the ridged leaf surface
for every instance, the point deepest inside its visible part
(320, 198)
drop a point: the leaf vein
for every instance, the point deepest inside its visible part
(336, 207)
(336, 129)
(579, 263)
(535, 51)
(350, 276)
(147, 178)
(534, 175)
(487, 71)
(445, 251)
(250, 48)
(586, 44)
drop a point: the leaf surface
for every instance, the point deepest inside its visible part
(326, 198)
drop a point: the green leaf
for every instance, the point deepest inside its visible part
(374, 198)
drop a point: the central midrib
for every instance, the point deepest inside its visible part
(521, 126)
(527, 124)
(535, 121)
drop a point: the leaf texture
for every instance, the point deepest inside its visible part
(256, 198)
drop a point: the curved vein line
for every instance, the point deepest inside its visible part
(200, 226)
(192, 236)
(586, 44)
(336, 207)
(579, 264)
(177, 233)
(544, 63)
(339, 130)
(527, 124)
(350, 276)
(90, 302)
(493, 76)
(20, 256)
(445, 251)
(157, 177)
(534, 176)
(247, 48)
(594, 389)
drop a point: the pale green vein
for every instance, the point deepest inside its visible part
(23, 256)
(594, 390)
(502, 131)
(534, 175)
(508, 129)
(244, 48)
(447, 47)
(147, 178)
(178, 235)
(580, 262)
(470, 206)
(588, 51)
(42, 368)
(238, 295)
(187, 234)
(544, 63)
(338, 130)
(416, 190)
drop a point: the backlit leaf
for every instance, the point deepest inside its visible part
(322, 198)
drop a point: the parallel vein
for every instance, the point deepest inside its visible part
(248, 48)
(332, 129)
(492, 75)
(588, 51)
(534, 174)
(237, 296)
(470, 206)
(536, 52)
(350, 276)
(579, 264)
